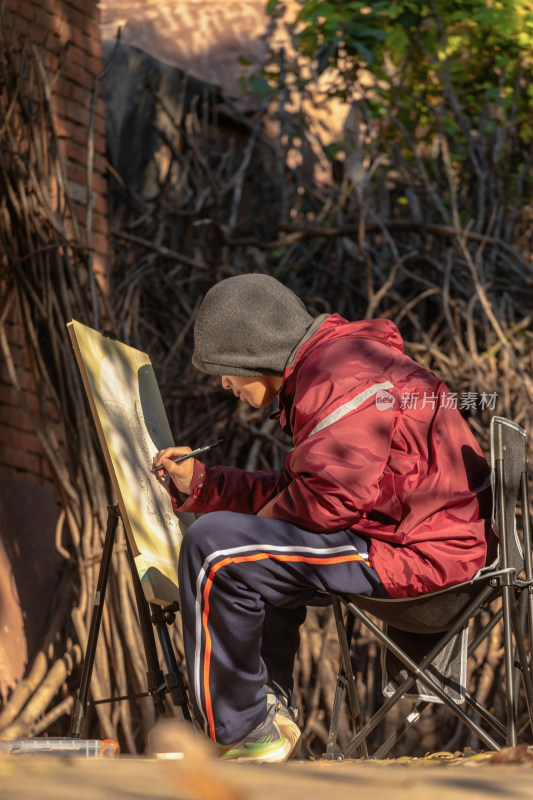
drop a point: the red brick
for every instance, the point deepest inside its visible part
(16, 418)
(62, 128)
(15, 333)
(100, 224)
(29, 442)
(29, 463)
(50, 61)
(52, 6)
(100, 184)
(87, 42)
(53, 413)
(33, 402)
(40, 36)
(93, 65)
(77, 174)
(78, 113)
(4, 411)
(89, 16)
(100, 163)
(44, 19)
(80, 210)
(7, 435)
(18, 459)
(78, 133)
(101, 271)
(74, 151)
(100, 143)
(99, 124)
(79, 75)
(10, 396)
(22, 358)
(60, 27)
(26, 10)
(81, 94)
(21, 440)
(68, 88)
(100, 244)
(59, 105)
(76, 18)
(22, 26)
(17, 353)
(101, 206)
(24, 376)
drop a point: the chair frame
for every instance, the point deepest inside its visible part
(456, 606)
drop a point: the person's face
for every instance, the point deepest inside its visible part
(257, 391)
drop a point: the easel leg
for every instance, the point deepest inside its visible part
(154, 674)
(158, 683)
(161, 618)
(80, 706)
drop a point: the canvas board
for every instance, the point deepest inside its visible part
(132, 425)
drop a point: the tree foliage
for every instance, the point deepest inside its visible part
(438, 86)
(426, 57)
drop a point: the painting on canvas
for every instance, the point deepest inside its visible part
(132, 426)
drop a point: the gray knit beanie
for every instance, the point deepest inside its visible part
(248, 325)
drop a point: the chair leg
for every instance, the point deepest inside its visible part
(486, 715)
(345, 680)
(523, 666)
(417, 671)
(528, 592)
(528, 556)
(518, 665)
(508, 603)
(411, 719)
(341, 684)
(482, 635)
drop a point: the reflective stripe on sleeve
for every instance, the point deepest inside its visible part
(351, 405)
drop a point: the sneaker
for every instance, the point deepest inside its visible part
(286, 717)
(265, 744)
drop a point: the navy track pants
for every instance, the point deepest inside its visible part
(245, 582)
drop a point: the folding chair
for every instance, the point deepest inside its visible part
(424, 639)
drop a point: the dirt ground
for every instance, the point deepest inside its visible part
(55, 778)
(195, 777)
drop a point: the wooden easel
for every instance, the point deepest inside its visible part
(150, 616)
(131, 423)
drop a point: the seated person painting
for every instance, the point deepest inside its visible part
(379, 496)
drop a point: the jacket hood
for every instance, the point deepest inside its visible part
(334, 326)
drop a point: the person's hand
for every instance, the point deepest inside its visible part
(180, 474)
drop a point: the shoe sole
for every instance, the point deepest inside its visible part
(287, 748)
(291, 732)
(276, 756)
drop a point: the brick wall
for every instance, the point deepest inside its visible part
(67, 36)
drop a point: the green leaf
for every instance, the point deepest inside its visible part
(324, 56)
(272, 6)
(363, 31)
(366, 54)
(259, 85)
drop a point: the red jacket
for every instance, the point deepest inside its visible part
(376, 450)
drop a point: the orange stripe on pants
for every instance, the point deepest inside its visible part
(205, 613)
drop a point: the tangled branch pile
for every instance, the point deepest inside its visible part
(440, 253)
